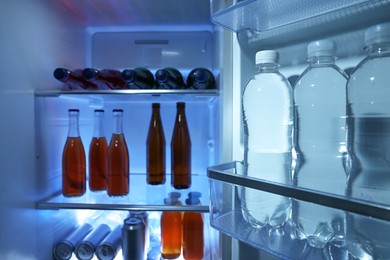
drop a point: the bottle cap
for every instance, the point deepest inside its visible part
(128, 75)
(377, 34)
(194, 194)
(193, 201)
(89, 74)
(321, 48)
(161, 75)
(200, 75)
(267, 56)
(61, 74)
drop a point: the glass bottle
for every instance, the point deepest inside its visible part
(138, 78)
(171, 231)
(181, 150)
(98, 154)
(267, 115)
(169, 78)
(369, 143)
(117, 159)
(193, 240)
(73, 159)
(155, 149)
(320, 109)
(201, 78)
(105, 78)
(73, 79)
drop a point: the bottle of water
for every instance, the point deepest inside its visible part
(268, 122)
(369, 140)
(320, 142)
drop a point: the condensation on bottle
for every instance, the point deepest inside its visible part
(369, 143)
(267, 106)
(320, 142)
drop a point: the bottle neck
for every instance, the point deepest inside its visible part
(267, 67)
(73, 124)
(321, 60)
(99, 124)
(378, 48)
(118, 118)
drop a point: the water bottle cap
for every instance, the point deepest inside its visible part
(321, 48)
(267, 56)
(379, 33)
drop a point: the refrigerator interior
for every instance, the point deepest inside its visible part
(41, 36)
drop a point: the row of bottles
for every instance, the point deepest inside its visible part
(140, 235)
(182, 233)
(137, 78)
(109, 164)
(329, 133)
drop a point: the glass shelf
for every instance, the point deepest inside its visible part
(227, 181)
(141, 197)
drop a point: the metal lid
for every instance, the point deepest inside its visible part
(63, 251)
(105, 252)
(85, 251)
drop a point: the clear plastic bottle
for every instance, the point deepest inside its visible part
(320, 142)
(267, 106)
(98, 154)
(73, 159)
(369, 140)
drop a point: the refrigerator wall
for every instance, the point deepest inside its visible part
(39, 36)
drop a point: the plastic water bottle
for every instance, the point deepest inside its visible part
(268, 122)
(369, 142)
(320, 142)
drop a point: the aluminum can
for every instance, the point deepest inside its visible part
(110, 246)
(133, 239)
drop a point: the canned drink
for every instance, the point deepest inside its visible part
(144, 216)
(110, 246)
(85, 250)
(133, 239)
(63, 250)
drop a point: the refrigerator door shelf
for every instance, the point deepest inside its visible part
(228, 218)
(141, 197)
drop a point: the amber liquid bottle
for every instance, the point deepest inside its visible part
(73, 159)
(105, 79)
(73, 79)
(155, 149)
(181, 151)
(193, 240)
(171, 232)
(98, 155)
(118, 159)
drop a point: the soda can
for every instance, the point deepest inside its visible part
(63, 250)
(133, 239)
(85, 250)
(110, 246)
(143, 215)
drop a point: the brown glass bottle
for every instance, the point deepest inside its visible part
(117, 160)
(73, 159)
(73, 79)
(171, 232)
(98, 155)
(193, 240)
(155, 149)
(181, 151)
(105, 78)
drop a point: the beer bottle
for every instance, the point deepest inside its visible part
(169, 78)
(201, 78)
(73, 159)
(181, 151)
(138, 78)
(105, 78)
(155, 149)
(73, 79)
(98, 155)
(117, 159)
(171, 231)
